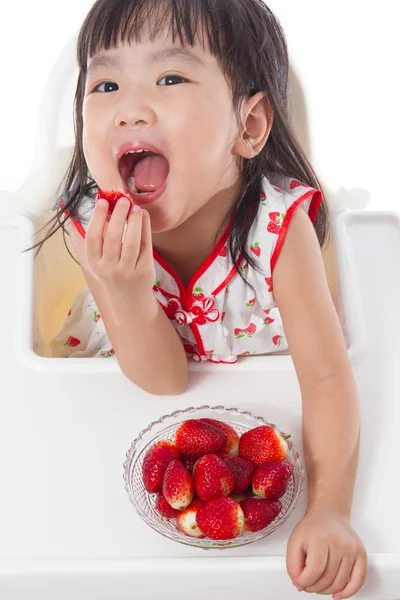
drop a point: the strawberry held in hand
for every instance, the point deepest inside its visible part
(112, 197)
(196, 438)
(271, 479)
(259, 512)
(178, 485)
(155, 463)
(221, 518)
(212, 477)
(232, 438)
(264, 443)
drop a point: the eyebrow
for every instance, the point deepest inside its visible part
(154, 57)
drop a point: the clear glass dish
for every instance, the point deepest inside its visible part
(164, 429)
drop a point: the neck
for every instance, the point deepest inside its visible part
(187, 246)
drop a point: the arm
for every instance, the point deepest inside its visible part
(324, 555)
(147, 347)
(331, 420)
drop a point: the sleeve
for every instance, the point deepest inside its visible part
(289, 195)
(83, 334)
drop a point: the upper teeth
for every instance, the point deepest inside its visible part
(133, 151)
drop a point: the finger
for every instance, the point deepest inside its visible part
(95, 232)
(134, 233)
(295, 559)
(113, 238)
(146, 247)
(316, 560)
(358, 575)
(328, 576)
(342, 577)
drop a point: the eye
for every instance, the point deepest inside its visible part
(170, 77)
(103, 83)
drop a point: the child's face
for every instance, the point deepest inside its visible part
(191, 121)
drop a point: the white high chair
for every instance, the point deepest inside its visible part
(67, 526)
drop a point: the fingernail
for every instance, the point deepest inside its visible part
(124, 202)
(102, 202)
(136, 208)
(297, 586)
(336, 597)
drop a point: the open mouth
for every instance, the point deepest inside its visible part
(143, 172)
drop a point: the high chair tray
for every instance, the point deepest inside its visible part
(67, 527)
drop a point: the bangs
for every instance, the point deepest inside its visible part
(127, 21)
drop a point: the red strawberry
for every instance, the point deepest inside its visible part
(189, 462)
(277, 339)
(165, 509)
(155, 464)
(294, 183)
(268, 281)
(221, 518)
(256, 249)
(251, 329)
(263, 443)
(187, 519)
(275, 224)
(271, 479)
(251, 302)
(178, 485)
(223, 251)
(242, 471)
(112, 196)
(72, 341)
(232, 438)
(212, 477)
(259, 512)
(196, 438)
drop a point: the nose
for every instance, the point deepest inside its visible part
(133, 112)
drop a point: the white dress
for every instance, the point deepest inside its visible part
(217, 316)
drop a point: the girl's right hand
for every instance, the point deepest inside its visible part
(126, 268)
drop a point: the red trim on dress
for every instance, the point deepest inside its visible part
(312, 213)
(77, 224)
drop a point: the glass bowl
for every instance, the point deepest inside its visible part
(164, 429)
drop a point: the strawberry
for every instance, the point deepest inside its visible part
(263, 443)
(294, 183)
(232, 438)
(251, 329)
(277, 339)
(221, 518)
(259, 512)
(270, 480)
(112, 197)
(275, 224)
(268, 281)
(223, 251)
(72, 341)
(196, 438)
(187, 519)
(242, 471)
(212, 477)
(256, 249)
(189, 462)
(251, 302)
(178, 485)
(155, 464)
(166, 509)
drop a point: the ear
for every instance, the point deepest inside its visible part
(257, 118)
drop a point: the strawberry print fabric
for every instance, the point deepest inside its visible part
(217, 316)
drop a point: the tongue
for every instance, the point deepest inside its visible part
(150, 173)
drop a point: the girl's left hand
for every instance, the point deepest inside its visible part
(326, 556)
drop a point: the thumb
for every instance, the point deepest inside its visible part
(295, 558)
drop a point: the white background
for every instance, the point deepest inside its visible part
(344, 89)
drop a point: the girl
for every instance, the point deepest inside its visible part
(182, 105)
